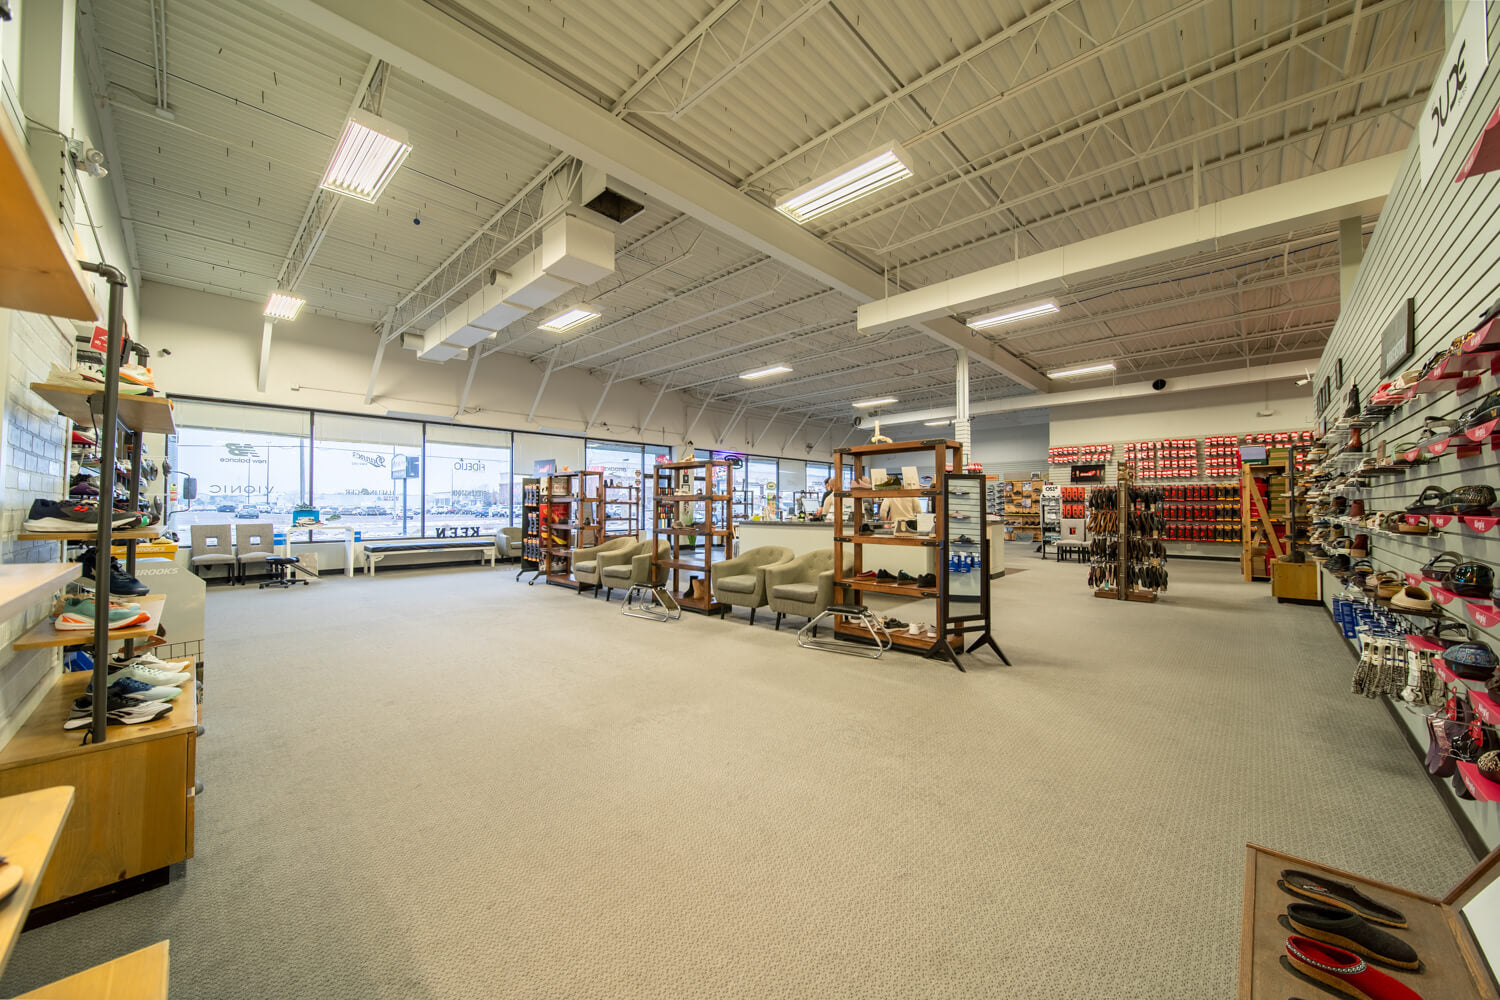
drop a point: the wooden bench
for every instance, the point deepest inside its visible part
(375, 551)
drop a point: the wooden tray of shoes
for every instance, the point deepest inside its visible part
(1453, 964)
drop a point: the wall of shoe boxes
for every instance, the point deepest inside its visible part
(1198, 474)
(1435, 245)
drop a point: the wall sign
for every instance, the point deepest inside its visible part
(1399, 338)
(1457, 80)
(1088, 474)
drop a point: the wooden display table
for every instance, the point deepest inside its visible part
(1454, 965)
(29, 827)
(140, 975)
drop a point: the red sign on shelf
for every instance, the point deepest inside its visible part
(100, 340)
(1484, 615)
(1478, 523)
(1422, 643)
(1441, 520)
(1481, 787)
(1484, 707)
(1442, 596)
(1443, 671)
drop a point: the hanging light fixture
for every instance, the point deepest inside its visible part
(852, 181)
(1011, 316)
(284, 305)
(367, 157)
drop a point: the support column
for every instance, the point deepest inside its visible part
(265, 355)
(1351, 252)
(961, 407)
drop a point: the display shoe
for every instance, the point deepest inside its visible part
(1345, 897)
(128, 713)
(927, 580)
(128, 687)
(120, 582)
(965, 540)
(1341, 972)
(932, 631)
(153, 661)
(868, 574)
(915, 631)
(906, 579)
(77, 615)
(148, 675)
(892, 624)
(1354, 441)
(885, 577)
(1351, 932)
(73, 515)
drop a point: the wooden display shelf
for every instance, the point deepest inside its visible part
(87, 536)
(897, 589)
(42, 737)
(689, 497)
(1453, 968)
(927, 540)
(38, 272)
(874, 494)
(23, 584)
(30, 825)
(1143, 596)
(899, 447)
(143, 414)
(45, 634)
(140, 975)
(898, 638)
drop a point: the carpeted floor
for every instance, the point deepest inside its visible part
(446, 784)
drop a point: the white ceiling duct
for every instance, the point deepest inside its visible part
(573, 253)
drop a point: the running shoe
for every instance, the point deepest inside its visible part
(77, 615)
(120, 582)
(129, 687)
(148, 675)
(136, 375)
(122, 712)
(153, 661)
(73, 515)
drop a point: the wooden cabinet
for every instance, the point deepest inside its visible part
(132, 811)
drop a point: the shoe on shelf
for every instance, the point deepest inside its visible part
(120, 582)
(868, 574)
(883, 576)
(1341, 972)
(892, 482)
(932, 631)
(1338, 927)
(906, 579)
(147, 675)
(893, 624)
(915, 630)
(129, 687)
(958, 515)
(72, 515)
(77, 615)
(966, 540)
(80, 438)
(122, 712)
(150, 660)
(927, 580)
(136, 375)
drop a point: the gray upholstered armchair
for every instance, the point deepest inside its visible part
(508, 542)
(587, 562)
(633, 569)
(803, 586)
(741, 581)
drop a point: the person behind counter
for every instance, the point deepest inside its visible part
(826, 507)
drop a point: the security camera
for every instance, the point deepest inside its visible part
(1159, 384)
(87, 158)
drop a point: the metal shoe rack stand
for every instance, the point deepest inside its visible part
(1121, 591)
(102, 410)
(531, 536)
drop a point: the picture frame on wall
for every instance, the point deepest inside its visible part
(1338, 373)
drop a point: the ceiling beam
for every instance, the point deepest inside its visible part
(1102, 394)
(1358, 190)
(422, 40)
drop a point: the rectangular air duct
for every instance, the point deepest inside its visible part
(573, 252)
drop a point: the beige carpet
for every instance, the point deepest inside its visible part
(451, 785)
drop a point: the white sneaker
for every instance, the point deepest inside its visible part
(154, 662)
(915, 629)
(150, 675)
(932, 631)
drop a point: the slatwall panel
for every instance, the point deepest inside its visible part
(1437, 244)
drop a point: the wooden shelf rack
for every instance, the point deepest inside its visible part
(675, 518)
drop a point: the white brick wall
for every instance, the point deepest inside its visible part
(33, 463)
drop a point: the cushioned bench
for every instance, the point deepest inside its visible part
(375, 551)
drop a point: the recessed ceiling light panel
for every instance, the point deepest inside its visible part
(284, 305)
(368, 155)
(854, 180)
(1011, 315)
(570, 319)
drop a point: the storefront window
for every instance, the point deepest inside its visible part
(246, 464)
(468, 480)
(353, 458)
(621, 464)
(760, 483)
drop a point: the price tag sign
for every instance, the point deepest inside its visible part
(1457, 80)
(100, 340)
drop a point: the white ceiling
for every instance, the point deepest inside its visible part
(1031, 125)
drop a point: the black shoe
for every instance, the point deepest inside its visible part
(884, 577)
(906, 579)
(120, 582)
(866, 528)
(927, 580)
(965, 540)
(73, 515)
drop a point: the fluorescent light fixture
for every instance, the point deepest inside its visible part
(367, 157)
(936, 423)
(1108, 366)
(852, 181)
(570, 319)
(882, 401)
(1011, 316)
(284, 305)
(767, 372)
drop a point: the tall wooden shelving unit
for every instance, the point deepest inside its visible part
(622, 511)
(1259, 519)
(950, 628)
(565, 503)
(682, 488)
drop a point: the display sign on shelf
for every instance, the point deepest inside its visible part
(1398, 338)
(1087, 473)
(1456, 83)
